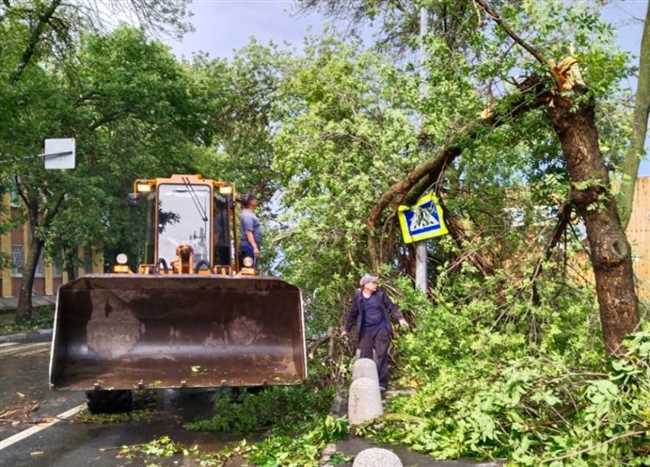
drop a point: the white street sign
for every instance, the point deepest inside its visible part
(59, 153)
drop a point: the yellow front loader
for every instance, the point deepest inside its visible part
(194, 315)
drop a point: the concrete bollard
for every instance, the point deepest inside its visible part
(364, 401)
(364, 368)
(377, 457)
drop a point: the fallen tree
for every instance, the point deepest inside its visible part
(571, 110)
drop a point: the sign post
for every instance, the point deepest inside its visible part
(421, 256)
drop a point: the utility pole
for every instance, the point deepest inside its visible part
(421, 246)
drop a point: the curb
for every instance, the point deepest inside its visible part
(37, 336)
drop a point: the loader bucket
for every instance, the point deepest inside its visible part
(119, 331)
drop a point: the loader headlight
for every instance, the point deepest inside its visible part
(143, 187)
(248, 262)
(122, 258)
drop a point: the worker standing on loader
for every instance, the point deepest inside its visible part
(370, 315)
(251, 229)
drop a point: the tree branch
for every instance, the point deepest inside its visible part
(34, 40)
(458, 235)
(20, 191)
(533, 97)
(576, 453)
(515, 37)
(31, 203)
(50, 213)
(563, 218)
(108, 118)
(634, 153)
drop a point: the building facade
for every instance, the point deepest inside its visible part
(49, 274)
(638, 234)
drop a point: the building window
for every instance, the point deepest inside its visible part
(40, 268)
(14, 196)
(17, 260)
(57, 267)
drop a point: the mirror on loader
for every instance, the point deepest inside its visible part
(178, 327)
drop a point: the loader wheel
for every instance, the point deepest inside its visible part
(104, 401)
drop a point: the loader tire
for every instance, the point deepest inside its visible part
(104, 401)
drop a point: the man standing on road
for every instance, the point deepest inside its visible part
(370, 315)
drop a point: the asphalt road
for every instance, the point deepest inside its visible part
(39, 427)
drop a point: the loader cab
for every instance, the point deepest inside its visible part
(184, 218)
(189, 212)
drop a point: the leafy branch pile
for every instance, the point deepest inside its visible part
(484, 389)
(300, 448)
(294, 420)
(276, 406)
(287, 426)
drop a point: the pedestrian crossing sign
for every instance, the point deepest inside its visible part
(422, 221)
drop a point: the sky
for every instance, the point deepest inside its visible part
(222, 26)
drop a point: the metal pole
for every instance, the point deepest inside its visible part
(421, 247)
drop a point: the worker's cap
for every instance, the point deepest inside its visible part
(368, 278)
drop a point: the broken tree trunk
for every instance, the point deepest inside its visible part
(571, 110)
(574, 122)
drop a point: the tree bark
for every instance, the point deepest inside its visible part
(33, 206)
(25, 308)
(69, 261)
(639, 128)
(574, 122)
(571, 110)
